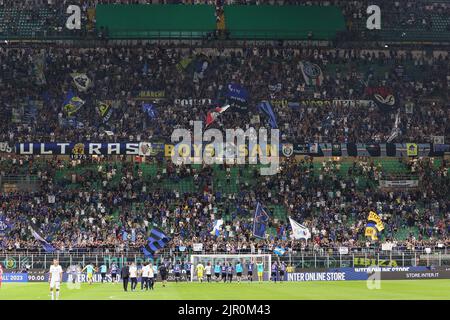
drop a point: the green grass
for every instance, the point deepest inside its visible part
(348, 290)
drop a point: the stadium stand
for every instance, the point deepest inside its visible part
(81, 92)
(316, 114)
(94, 198)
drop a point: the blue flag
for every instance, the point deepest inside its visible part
(124, 235)
(145, 68)
(47, 246)
(149, 109)
(156, 241)
(72, 104)
(5, 226)
(266, 107)
(260, 221)
(236, 93)
(105, 111)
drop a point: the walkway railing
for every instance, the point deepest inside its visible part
(299, 259)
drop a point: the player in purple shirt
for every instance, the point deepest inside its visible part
(274, 269)
(250, 267)
(282, 270)
(177, 271)
(224, 272)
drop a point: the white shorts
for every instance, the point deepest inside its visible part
(54, 284)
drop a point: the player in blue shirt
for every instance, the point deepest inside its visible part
(230, 271)
(103, 270)
(187, 268)
(274, 271)
(177, 271)
(250, 267)
(217, 270)
(224, 272)
(238, 271)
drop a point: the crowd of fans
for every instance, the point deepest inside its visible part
(111, 206)
(419, 84)
(117, 215)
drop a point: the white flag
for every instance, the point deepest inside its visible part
(217, 227)
(395, 130)
(299, 231)
(81, 80)
(312, 73)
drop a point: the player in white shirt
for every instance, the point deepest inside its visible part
(133, 276)
(151, 275)
(208, 271)
(144, 276)
(55, 278)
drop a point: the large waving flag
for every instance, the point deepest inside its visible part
(395, 132)
(201, 65)
(105, 111)
(266, 107)
(384, 97)
(299, 231)
(236, 93)
(81, 81)
(156, 241)
(279, 251)
(217, 227)
(371, 231)
(214, 114)
(45, 244)
(312, 73)
(373, 226)
(149, 110)
(5, 226)
(376, 218)
(260, 222)
(184, 64)
(72, 104)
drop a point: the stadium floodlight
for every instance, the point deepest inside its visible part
(244, 259)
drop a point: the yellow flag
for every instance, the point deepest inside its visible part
(371, 232)
(376, 218)
(411, 149)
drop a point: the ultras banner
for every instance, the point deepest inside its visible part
(286, 149)
(88, 148)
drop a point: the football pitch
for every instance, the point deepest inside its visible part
(342, 290)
